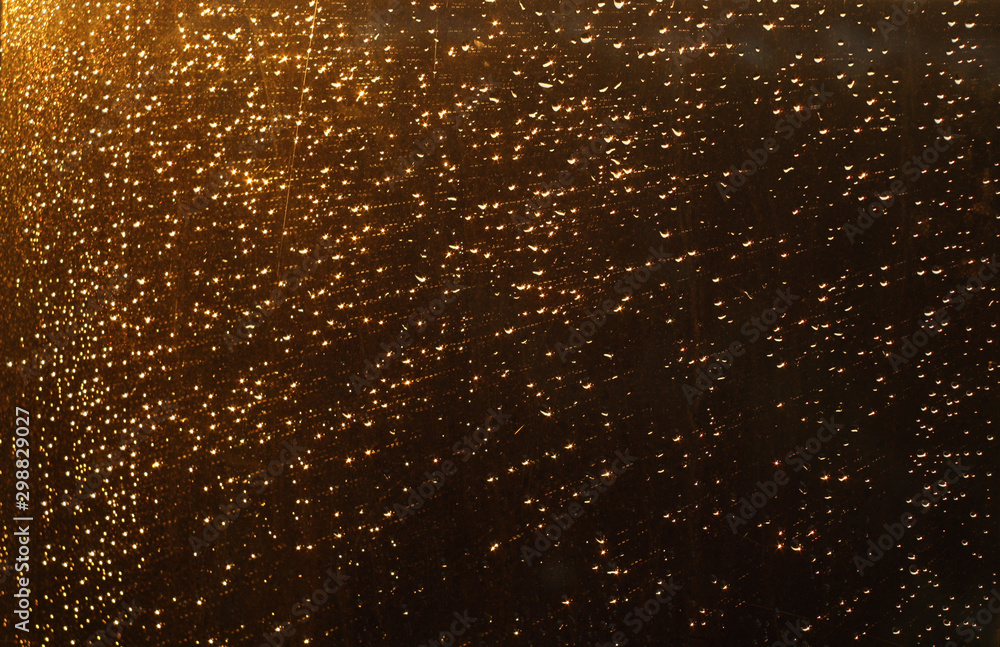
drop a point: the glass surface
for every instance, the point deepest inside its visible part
(518, 322)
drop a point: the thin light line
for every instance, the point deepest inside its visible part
(295, 143)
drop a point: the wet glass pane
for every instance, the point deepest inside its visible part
(517, 322)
